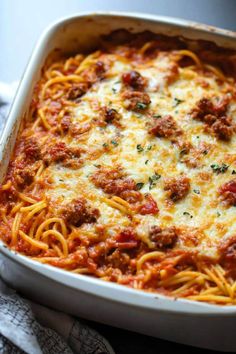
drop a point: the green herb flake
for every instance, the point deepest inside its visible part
(156, 177)
(183, 152)
(197, 191)
(139, 148)
(114, 90)
(218, 213)
(105, 145)
(219, 168)
(177, 101)
(113, 142)
(152, 180)
(146, 162)
(205, 152)
(187, 213)
(233, 172)
(139, 185)
(141, 105)
(157, 116)
(149, 147)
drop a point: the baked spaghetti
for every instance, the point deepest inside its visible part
(124, 168)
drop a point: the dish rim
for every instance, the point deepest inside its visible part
(85, 283)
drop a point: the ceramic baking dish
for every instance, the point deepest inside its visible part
(180, 320)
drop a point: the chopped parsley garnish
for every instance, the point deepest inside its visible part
(183, 152)
(233, 172)
(139, 148)
(156, 116)
(205, 152)
(105, 145)
(114, 90)
(187, 213)
(113, 142)
(153, 180)
(146, 162)
(177, 101)
(149, 147)
(219, 168)
(197, 191)
(218, 213)
(141, 105)
(139, 185)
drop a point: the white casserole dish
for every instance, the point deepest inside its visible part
(180, 320)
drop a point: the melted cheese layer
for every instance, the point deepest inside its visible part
(200, 213)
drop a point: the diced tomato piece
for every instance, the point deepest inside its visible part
(149, 207)
(229, 187)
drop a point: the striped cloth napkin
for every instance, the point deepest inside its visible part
(27, 327)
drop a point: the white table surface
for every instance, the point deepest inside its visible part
(22, 21)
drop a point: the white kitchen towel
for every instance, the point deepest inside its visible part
(27, 327)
